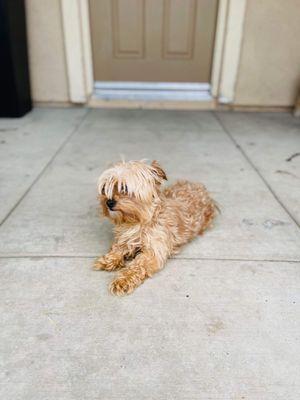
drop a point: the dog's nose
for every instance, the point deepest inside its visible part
(110, 203)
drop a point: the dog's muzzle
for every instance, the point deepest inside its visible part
(110, 203)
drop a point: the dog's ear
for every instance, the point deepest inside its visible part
(158, 170)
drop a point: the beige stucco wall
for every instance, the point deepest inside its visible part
(269, 70)
(48, 71)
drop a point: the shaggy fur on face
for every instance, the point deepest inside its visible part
(151, 224)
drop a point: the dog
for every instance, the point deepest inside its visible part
(151, 224)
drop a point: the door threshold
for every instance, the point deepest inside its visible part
(152, 95)
(152, 91)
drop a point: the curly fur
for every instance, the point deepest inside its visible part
(151, 224)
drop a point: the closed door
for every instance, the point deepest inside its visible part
(153, 40)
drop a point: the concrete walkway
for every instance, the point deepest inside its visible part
(220, 322)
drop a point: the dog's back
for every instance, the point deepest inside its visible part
(195, 202)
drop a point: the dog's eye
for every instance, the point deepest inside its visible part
(124, 189)
(103, 190)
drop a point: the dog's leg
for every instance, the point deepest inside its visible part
(142, 267)
(111, 261)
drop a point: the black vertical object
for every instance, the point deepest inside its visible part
(15, 100)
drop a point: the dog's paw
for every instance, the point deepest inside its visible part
(121, 286)
(104, 264)
(99, 264)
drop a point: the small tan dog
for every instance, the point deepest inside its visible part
(150, 224)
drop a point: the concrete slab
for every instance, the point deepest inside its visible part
(26, 146)
(59, 215)
(12, 124)
(197, 330)
(272, 142)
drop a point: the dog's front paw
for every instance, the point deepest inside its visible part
(99, 264)
(123, 285)
(105, 264)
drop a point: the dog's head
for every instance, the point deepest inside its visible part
(129, 191)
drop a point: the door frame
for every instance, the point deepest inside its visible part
(226, 54)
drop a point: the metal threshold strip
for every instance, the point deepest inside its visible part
(152, 91)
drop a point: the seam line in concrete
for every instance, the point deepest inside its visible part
(19, 256)
(241, 150)
(43, 170)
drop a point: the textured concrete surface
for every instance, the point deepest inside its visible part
(25, 149)
(277, 160)
(189, 145)
(221, 321)
(199, 330)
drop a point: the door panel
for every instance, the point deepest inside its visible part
(153, 40)
(179, 21)
(128, 28)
